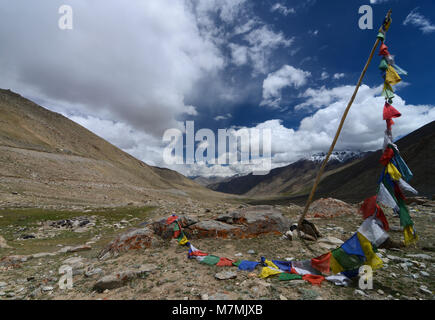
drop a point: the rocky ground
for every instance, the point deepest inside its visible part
(125, 253)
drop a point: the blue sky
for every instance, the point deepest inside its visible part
(128, 73)
(338, 47)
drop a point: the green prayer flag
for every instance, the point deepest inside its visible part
(347, 261)
(210, 260)
(383, 65)
(236, 263)
(405, 218)
(388, 92)
(381, 36)
(289, 276)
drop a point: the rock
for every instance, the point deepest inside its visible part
(204, 296)
(213, 229)
(239, 254)
(120, 279)
(225, 275)
(251, 251)
(330, 242)
(397, 259)
(421, 256)
(281, 297)
(425, 289)
(43, 255)
(93, 272)
(108, 283)
(359, 292)
(248, 222)
(3, 244)
(134, 239)
(289, 235)
(330, 208)
(219, 296)
(424, 273)
(165, 231)
(13, 261)
(47, 288)
(381, 292)
(3, 284)
(68, 249)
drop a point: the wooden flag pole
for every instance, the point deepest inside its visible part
(346, 111)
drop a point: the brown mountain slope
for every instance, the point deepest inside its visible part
(46, 158)
(359, 181)
(292, 179)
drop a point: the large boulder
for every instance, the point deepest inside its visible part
(213, 229)
(247, 222)
(120, 279)
(133, 239)
(165, 231)
(330, 208)
(3, 243)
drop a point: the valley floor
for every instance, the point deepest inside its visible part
(172, 276)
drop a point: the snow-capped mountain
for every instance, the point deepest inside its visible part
(340, 156)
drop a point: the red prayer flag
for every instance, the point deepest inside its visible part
(381, 216)
(171, 219)
(313, 279)
(322, 263)
(198, 253)
(368, 207)
(390, 112)
(390, 122)
(386, 156)
(383, 51)
(225, 262)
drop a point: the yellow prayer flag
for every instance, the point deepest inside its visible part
(183, 241)
(372, 259)
(268, 271)
(392, 77)
(393, 172)
(334, 265)
(270, 264)
(410, 236)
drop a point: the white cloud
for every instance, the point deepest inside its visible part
(363, 129)
(324, 75)
(418, 20)
(282, 9)
(223, 117)
(239, 54)
(287, 76)
(137, 62)
(262, 42)
(338, 75)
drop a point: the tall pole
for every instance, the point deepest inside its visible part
(382, 29)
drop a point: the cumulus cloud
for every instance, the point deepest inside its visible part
(282, 9)
(363, 129)
(138, 62)
(287, 76)
(338, 76)
(324, 75)
(223, 117)
(259, 45)
(418, 20)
